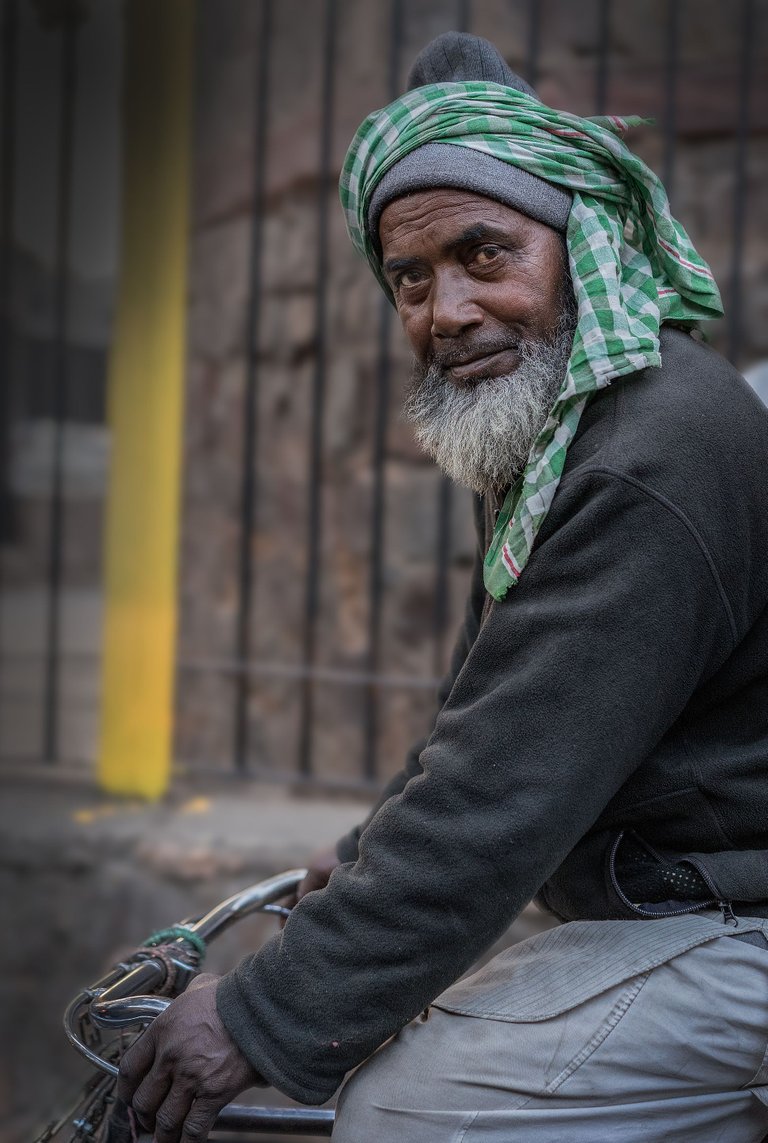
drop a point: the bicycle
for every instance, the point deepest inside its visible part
(106, 1017)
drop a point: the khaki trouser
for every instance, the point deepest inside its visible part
(677, 1053)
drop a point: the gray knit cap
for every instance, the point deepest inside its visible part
(457, 57)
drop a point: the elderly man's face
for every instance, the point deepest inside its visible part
(469, 274)
(486, 302)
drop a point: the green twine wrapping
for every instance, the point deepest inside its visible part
(176, 931)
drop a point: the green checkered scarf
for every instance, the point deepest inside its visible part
(633, 266)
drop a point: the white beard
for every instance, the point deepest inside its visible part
(480, 435)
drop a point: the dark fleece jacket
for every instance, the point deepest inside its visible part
(621, 686)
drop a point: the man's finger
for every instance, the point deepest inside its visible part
(135, 1064)
(170, 1117)
(313, 880)
(150, 1096)
(199, 1123)
(202, 980)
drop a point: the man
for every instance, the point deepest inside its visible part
(602, 740)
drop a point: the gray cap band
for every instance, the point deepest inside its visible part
(456, 57)
(460, 168)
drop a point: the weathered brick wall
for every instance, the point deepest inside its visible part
(703, 197)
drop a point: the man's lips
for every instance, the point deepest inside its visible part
(485, 365)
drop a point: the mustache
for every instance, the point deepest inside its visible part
(467, 348)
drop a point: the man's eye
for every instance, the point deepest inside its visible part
(408, 279)
(485, 255)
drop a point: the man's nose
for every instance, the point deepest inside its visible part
(454, 310)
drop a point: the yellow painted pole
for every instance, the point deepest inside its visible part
(146, 403)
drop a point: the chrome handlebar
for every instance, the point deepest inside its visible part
(120, 1000)
(104, 1003)
(129, 1012)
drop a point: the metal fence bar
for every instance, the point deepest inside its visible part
(603, 48)
(314, 475)
(10, 31)
(534, 42)
(671, 62)
(250, 414)
(746, 64)
(69, 29)
(383, 377)
(10, 35)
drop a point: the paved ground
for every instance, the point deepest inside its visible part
(83, 879)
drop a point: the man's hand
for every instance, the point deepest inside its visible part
(185, 1068)
(321, 866)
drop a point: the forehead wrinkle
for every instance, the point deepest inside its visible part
(419, 227)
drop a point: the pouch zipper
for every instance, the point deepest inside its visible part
(696, 908)
(725, 907)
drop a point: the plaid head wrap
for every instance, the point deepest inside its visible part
(632, 265)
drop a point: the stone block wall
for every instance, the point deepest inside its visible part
(703, 183)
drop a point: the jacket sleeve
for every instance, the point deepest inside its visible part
(347, 846)
(569, 685)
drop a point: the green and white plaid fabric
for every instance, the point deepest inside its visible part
(633, 266)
